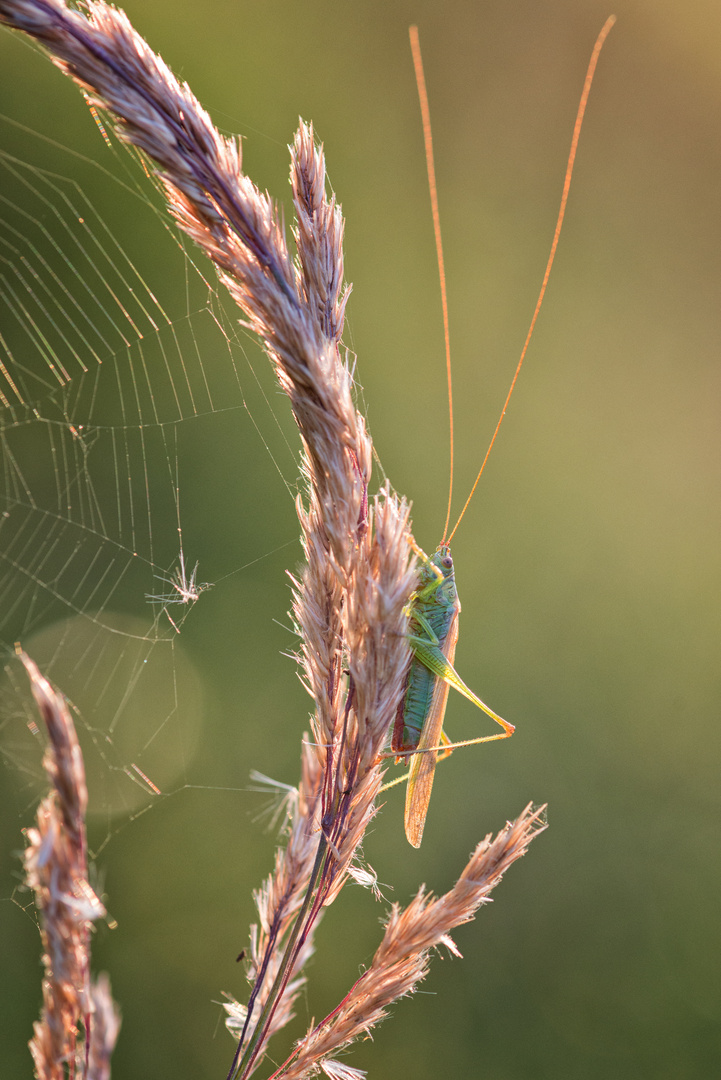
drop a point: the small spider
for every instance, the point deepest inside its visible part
(184, 589)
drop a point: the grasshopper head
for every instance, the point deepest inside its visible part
(443, 560)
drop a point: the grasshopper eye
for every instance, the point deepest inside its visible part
(447, 561)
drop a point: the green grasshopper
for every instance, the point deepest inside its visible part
(433, 617)
(434, 607)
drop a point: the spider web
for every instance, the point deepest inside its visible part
(107, 389)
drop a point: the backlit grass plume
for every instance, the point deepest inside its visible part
(79, 1022)
(350, 598)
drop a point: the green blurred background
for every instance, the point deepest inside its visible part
(588, 564)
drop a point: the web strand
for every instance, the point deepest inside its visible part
(106, 397)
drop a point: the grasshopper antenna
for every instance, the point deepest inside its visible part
(431, 171)
(559, 223)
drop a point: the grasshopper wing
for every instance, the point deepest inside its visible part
(422, 766)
